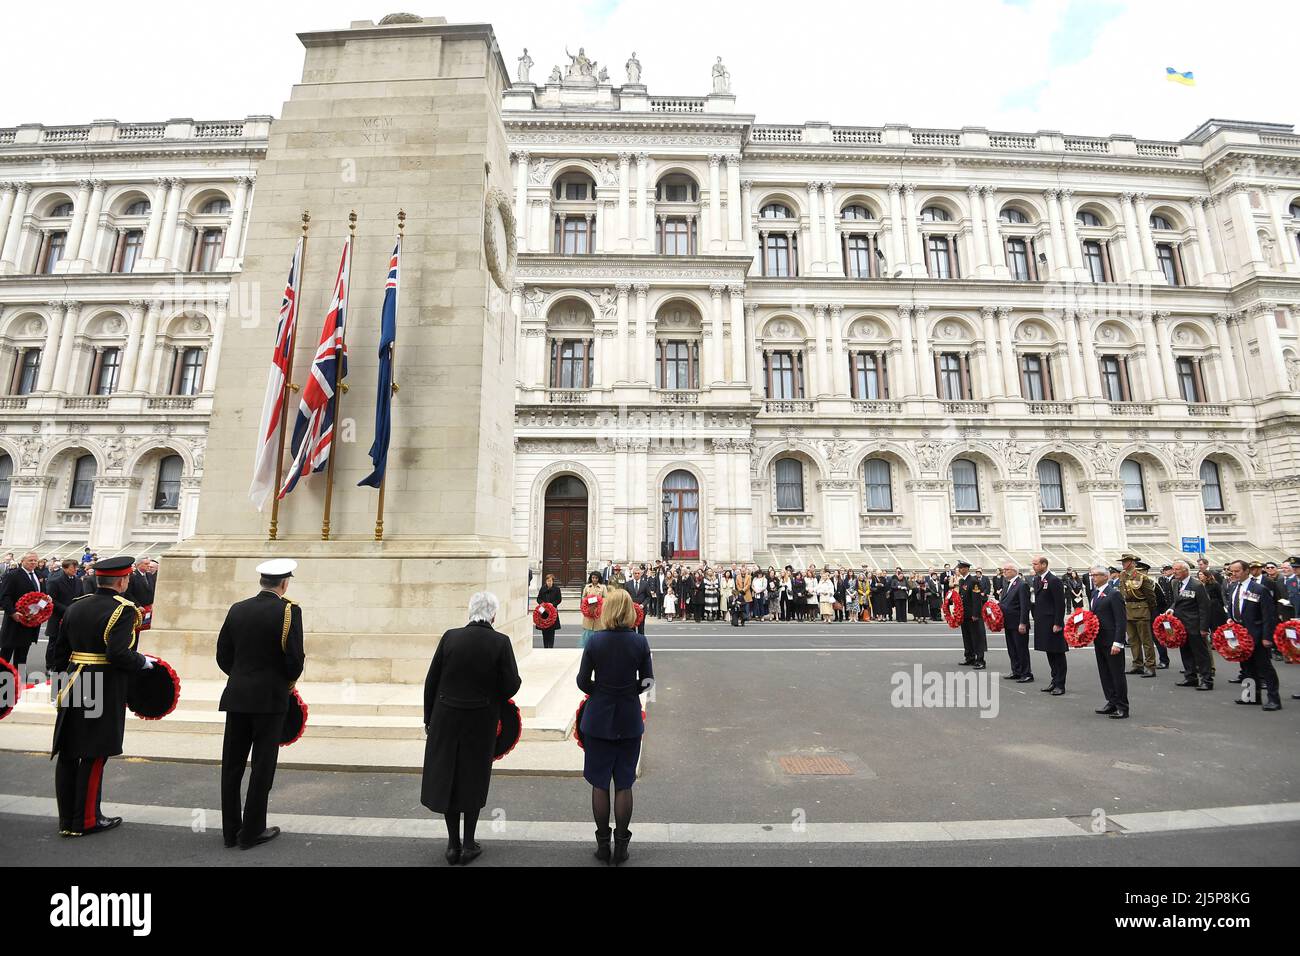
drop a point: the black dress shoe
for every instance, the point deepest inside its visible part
(1189, 682)
(1108, 709)
(965, 663)
(452, 853)
(1205, 685)
(1149, 672)
(1134, 670)
(471, 852)
(978, 665)
(1119, 715)
(1026, 679)
(102, 824)
(266, 836)
(1248, 703)
(1048, 689)
(1011, 677)
(1273, 705)
(1058, 691)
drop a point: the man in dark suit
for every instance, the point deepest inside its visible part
(1047, 607)
(143, 583)
(260, 648)
(63, 587)
(1112, 618)
(1250, 604)
(898, 593)
(1191, 606)
(1015, 623)
(973, 592)
(638, 587)
(15, 639)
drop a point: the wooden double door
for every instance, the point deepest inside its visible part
(564, 531)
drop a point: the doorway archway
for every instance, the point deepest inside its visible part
(564, 531)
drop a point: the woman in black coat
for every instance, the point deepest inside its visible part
(616, 669)
(472, 675)
(550, 594)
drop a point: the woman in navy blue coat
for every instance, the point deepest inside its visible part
(616, 668)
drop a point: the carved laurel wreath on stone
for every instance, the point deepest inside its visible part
(501, 266)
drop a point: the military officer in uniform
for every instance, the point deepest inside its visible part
(1139, 600)
(96, 641)
(260, 647)
(973, 593)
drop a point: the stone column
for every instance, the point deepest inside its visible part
(80, 212)
(736, 232)
(985, 361)
(739, 338)
(994, 380)
(152, 230)
(907, 366)
(1167, 355)
(1227, 360)
(1144, 231)
(715, 203)
(1073, 247)
(1136, 259)
(839, 377)
(1270, 348)
(980, 241)
(997, 260)
(235, 233)
(915, 241)
(624, 201)
(1073, 355)
(924, 358)
(49, 354)
(1091, 369)
(148, 346)
(131, 358)
(171, 218)
(1220, 376)
(522, 157)
(717, 368)
(644, 222)
(1204, 240)
(816, 257)
(751, 339)
(723, 519)
(1243, 220)
(63, 364)
(1155, 374)
(645, 336)
(833, 259)
(7, 193)
(1010, 372)
(749, 225)
(14, 231)
(626, 347)
(819, 331)
(1273, 199)
(1050, 197)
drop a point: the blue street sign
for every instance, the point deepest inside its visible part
(1193, 545)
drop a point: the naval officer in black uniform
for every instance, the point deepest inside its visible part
(974, 593)
(260, 648)
(96, 643)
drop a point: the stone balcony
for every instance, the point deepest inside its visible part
(111, 132)
(971, 522)
(72, 518)
(789, 406)
(871, 521)
(792, 521)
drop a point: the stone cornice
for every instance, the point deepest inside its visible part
(542, 269)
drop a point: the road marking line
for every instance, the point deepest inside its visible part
(531, 831)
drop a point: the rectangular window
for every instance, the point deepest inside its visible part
(879, 492)
(675, 192)
(209, 252)
(965, 486)
(938, 261)
(950, 377)
(1094, 260)
(1113, 379)
(858, 257)
(867, 375)
(191, 379)
(789, 485)
(83, 483)
(29, 370)
(53, 251)
(132, 244)
(107, 367)
(1032, 379)
(782, 376)
(1189, 381)
(778, 256)
(675, 238)
(573, 235)
(571, 363)
(1168, 263)
(1018, 259)
(678, 365)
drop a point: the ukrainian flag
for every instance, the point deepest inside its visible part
(1175, 77)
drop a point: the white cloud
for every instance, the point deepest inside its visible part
(972, 63)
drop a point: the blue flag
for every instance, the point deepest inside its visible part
(384, 396)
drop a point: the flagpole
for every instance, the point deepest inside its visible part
(288, 385)
(392, 362)
(339, 353)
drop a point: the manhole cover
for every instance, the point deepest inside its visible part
(819, 766)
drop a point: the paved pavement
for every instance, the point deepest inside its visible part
(731, 703)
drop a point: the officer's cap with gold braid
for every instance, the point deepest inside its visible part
(118, 567)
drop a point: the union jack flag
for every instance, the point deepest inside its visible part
(272, 405)
(313, 431)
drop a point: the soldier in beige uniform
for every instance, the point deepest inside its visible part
(1139, 600)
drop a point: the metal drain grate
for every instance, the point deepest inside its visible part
(816, 766)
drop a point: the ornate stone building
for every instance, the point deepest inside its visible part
(119, 241)
(891, 346)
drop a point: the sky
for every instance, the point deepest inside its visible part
(1074, 66)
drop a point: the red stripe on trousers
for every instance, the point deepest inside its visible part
(92, 794)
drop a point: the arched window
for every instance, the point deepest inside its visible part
(935, 214)
(1051, 494)
(167, 494)
(683, 494)
(215, 207)
(6, 472)
(1087, 218)
(138, 208)
(776, 210)
(880, 494)
(1135, 494)
(62, 211)
(1211, 489)
(965, 485)
(83, 482)
(575, 188)
(1160, 222)
(1013, 215)
(677, 188)
(789, 485)
(856, 212)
